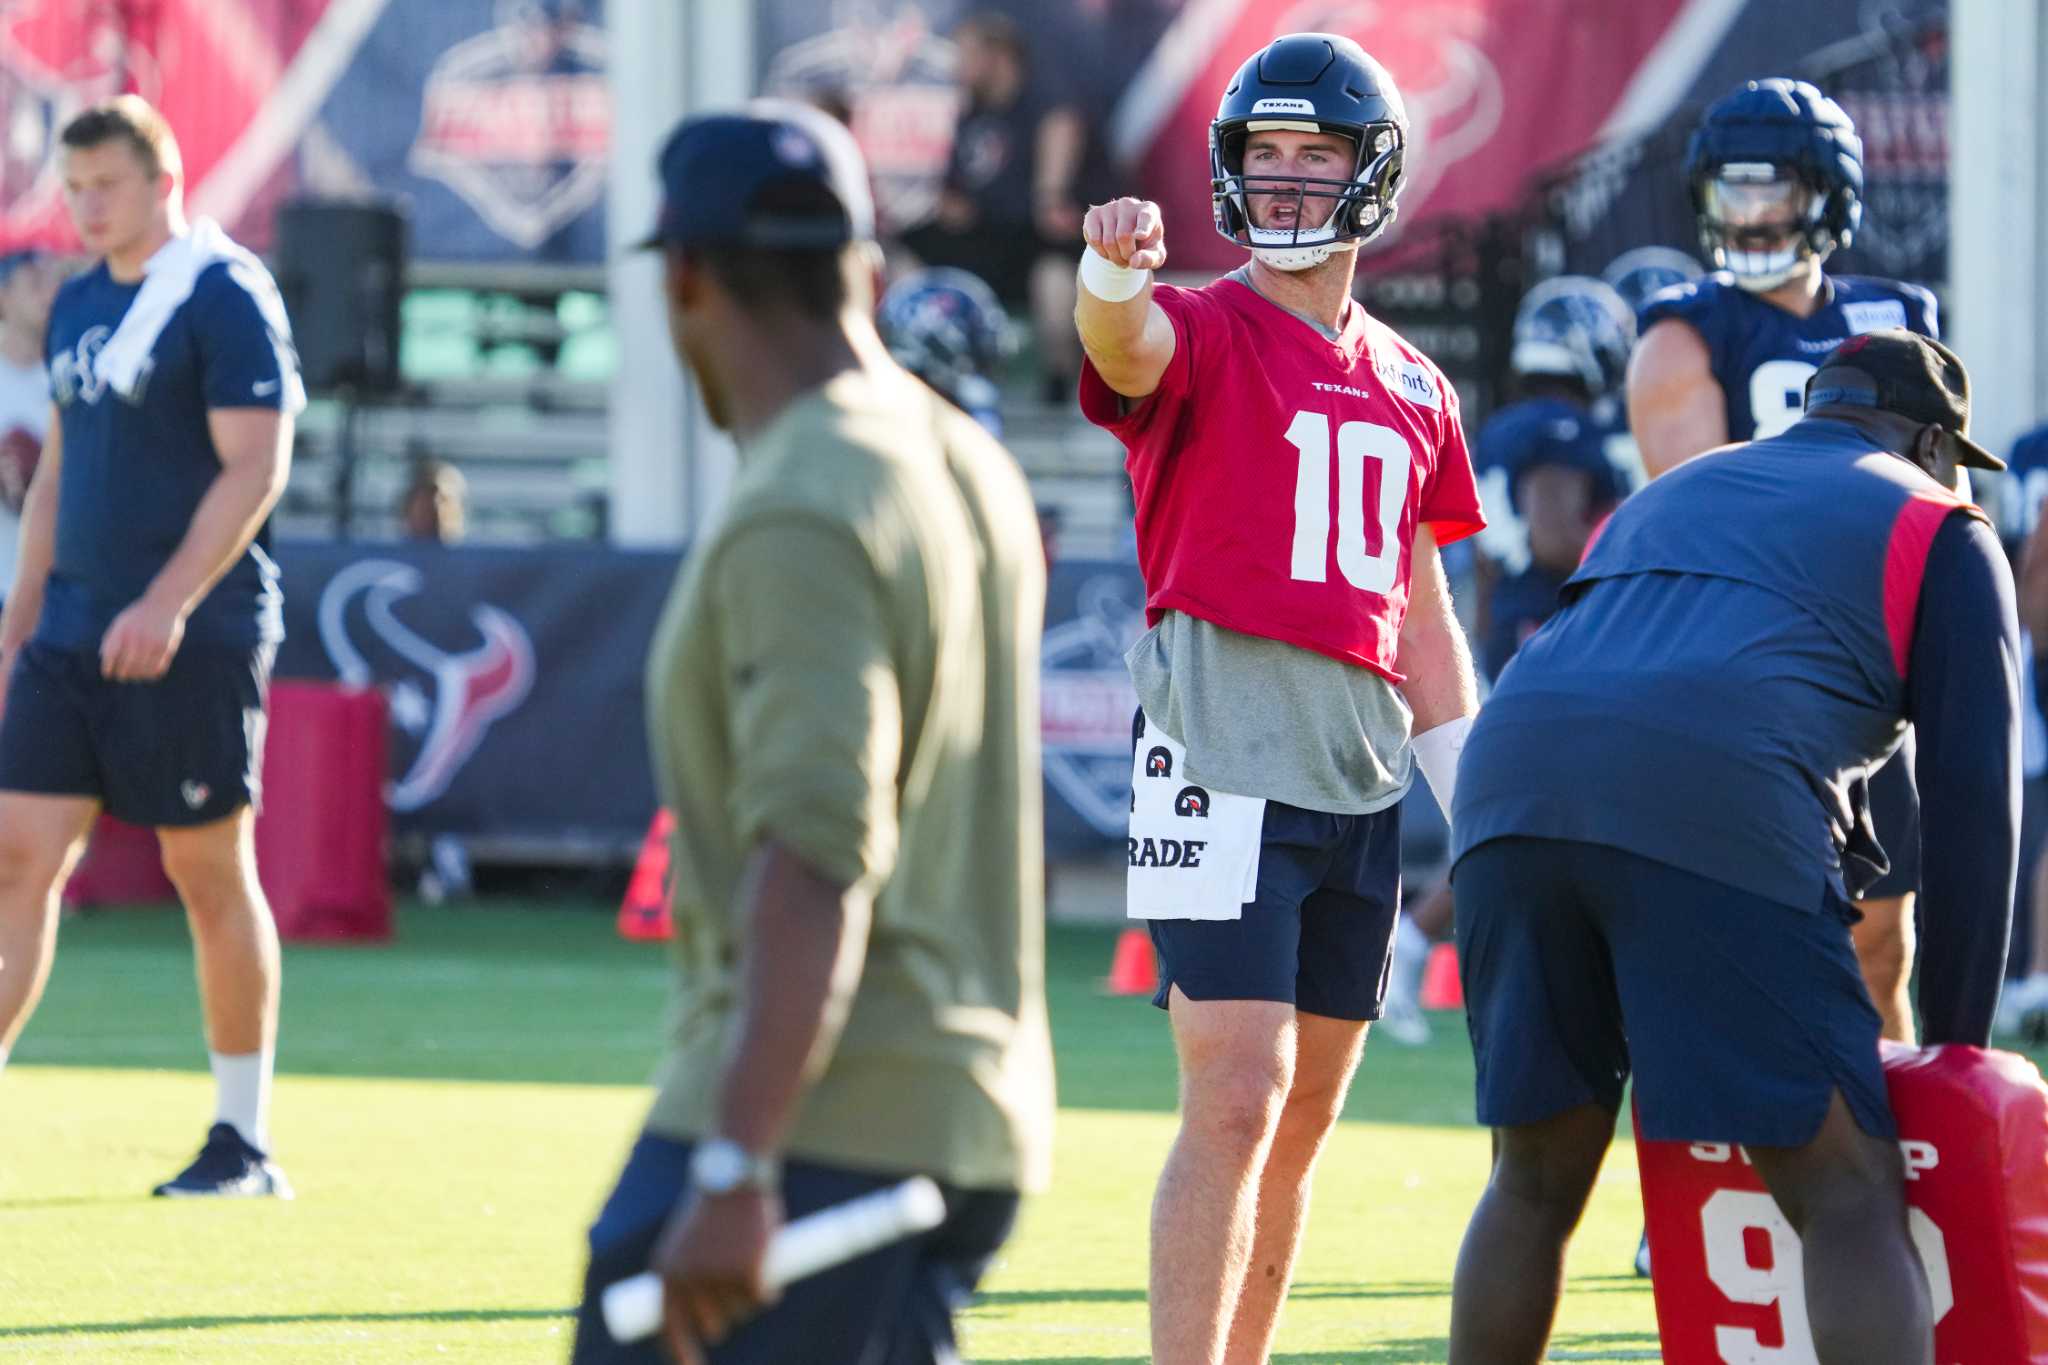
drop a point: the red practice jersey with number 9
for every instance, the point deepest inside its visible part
(1280, 474)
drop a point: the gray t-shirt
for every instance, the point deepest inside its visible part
(1264, 718)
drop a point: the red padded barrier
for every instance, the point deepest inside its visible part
(1973, 1127)
(324, 830)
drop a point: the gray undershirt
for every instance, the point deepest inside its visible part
(1260, 717)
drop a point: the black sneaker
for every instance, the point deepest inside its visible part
(227, 1168)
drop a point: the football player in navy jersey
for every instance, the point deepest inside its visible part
(1776, 176)
(136, 646)
(1571, 343)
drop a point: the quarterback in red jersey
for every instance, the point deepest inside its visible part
(1296, 466)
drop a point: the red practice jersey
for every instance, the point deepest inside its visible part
(1280, 475)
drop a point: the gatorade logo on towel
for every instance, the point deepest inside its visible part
(1193, 852)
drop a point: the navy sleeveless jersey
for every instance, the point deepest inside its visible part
(1763, 355)
(1729, 664)
(136, 468)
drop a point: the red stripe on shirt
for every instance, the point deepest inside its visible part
(1905, 564)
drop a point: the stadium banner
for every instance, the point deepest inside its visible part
(490, 120)
(517, 707)
(513, 677)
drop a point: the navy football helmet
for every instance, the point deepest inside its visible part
(1776, 175)
(1642, 271)
(1309, 83)
(946, 327)
(1574, 327)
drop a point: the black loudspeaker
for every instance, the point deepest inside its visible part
(341, 269)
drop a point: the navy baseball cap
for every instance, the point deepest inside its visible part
(1905, 373)
(774, 174)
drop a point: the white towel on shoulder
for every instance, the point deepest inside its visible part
(168, 279)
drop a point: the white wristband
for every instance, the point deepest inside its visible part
(1108, 281)
(1436, 753)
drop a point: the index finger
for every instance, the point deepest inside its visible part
(676, 1333)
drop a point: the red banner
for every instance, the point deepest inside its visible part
(1495, 89)
(211, 66)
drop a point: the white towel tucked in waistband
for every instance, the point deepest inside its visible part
(1194, 852)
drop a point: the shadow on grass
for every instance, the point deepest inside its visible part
(57, 1329)
(1399, 1351)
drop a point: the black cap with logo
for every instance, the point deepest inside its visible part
(1905, 373)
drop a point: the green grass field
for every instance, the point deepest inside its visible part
(452, 1106)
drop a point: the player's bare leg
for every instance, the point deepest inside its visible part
(1326, 1054)
(214, 868)
(1236, 1066)
(40, 839)
(1866, 1291)
(1884, 950)
(1510, 1272)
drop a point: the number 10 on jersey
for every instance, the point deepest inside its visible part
(1374, 464)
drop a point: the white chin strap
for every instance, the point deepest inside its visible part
(1282, 250)
(1762, 271)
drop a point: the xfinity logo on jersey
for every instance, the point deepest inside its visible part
(1408, 380)
(1874, 316)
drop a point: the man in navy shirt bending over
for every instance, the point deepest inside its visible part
(1663, 812)
(138, 640)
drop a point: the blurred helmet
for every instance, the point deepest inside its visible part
(1776, 175)
(1574, 327)
(946, 327)
(1641, 272)
(1309, 83)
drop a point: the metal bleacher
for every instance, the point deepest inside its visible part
(510, 388)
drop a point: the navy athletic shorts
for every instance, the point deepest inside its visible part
(1738, 1016)
(1895, 813)
(1320, 934)
(186, 749)
(894, 1306)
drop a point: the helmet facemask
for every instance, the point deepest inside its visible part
(1358, 208)
(1761, 223)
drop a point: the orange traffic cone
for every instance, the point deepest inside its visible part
(643, 914)
(1133, 971)
(1441, 989)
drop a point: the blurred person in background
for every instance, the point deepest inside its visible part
(138, 641)
(2023, 1008)
(28, 282)
(1010, 211)
(435, 503)
(1775, 171)
(843, 715)
(1641, 271)
(946, 327)
(1571, 341)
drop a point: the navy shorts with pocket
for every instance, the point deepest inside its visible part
(1320, 933)
(1739, 1016)
(186, 749)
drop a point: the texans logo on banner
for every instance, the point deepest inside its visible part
(1086, 701)
(517, 120)
(446, 699)
(1494, 92)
